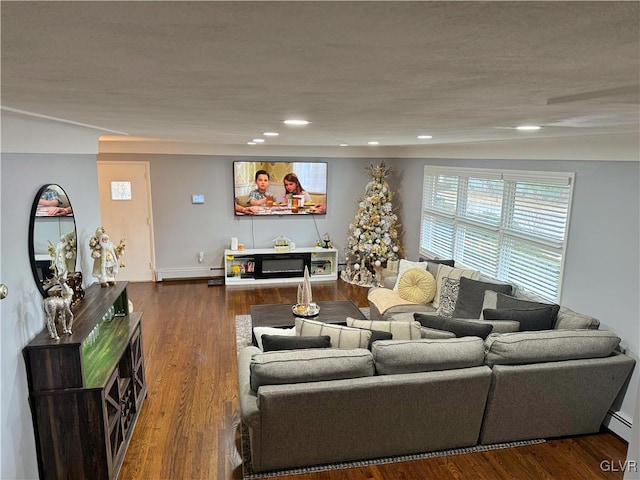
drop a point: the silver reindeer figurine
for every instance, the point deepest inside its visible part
(58, 306)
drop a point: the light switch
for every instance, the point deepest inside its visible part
(197, 198)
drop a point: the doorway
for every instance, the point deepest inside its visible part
(125, 208)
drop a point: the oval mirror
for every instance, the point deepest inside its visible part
(52, 236)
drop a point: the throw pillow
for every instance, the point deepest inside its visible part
(405, 265)
(457, 326)
(286, 342)
(378, 335)
(258, 332)
(448, 297)
(471, 296)
(498, 300)
(506, 301)
(529, 318)
(417, 286)
(433, 264)
(445, 271)
(399, 330)
(341, 336)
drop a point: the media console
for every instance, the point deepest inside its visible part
(267, 266)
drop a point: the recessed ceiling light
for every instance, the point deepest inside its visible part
(270, 134)
(258, 140)
(344, 145)
(373, 143)
(424, 137)
(296, 122)
(528, 128)
(251, 143)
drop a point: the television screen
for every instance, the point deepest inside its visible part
(280, 188)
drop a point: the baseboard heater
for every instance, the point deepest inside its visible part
(185, 273)
(618, 424)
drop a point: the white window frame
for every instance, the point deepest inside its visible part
(451, 232)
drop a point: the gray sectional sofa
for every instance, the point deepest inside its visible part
(459, 381)
(318, 406)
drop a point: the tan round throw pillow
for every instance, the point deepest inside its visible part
(417, 286)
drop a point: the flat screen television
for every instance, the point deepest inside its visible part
(279, 188)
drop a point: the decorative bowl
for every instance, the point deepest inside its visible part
(305, 310)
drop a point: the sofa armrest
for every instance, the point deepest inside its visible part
(386, 278)
(249, 411)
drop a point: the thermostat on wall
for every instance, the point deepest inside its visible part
(197, 198)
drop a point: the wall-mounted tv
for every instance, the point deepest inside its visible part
(280, 188)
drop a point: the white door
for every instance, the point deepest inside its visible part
(125, 208)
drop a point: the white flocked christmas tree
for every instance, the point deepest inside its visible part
(373, 235)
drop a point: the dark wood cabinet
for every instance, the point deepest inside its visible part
(86, 389)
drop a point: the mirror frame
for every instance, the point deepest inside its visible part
(31, 243)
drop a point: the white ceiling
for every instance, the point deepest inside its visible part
(224, 72)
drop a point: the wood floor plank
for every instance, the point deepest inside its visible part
(189, 424)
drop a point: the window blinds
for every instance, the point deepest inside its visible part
(510, 225)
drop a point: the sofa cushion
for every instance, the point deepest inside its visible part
(405, 265)
(568, 319)
(258, 332)
(417, 286)
(398, 330)
(548, 346)
(471, 296)
(312, 365)
(445, 271)
(425, 355)
(499, 300)
(448, 297)
(287, 342)
(341, 336)
(529, 318)
(459, 327)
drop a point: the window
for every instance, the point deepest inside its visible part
(312, 176)
(510, 225)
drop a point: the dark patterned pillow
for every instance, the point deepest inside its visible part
(286, 342)
(448, 297)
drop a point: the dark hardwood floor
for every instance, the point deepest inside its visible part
(188, 427)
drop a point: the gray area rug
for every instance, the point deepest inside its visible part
(243, 328)
(248, 473)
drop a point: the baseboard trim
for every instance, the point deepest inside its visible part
(180, 273)
(618, 424)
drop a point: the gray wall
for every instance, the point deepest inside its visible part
(22, 175)
(182, 229)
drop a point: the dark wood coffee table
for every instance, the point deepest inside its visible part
(280, 314)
